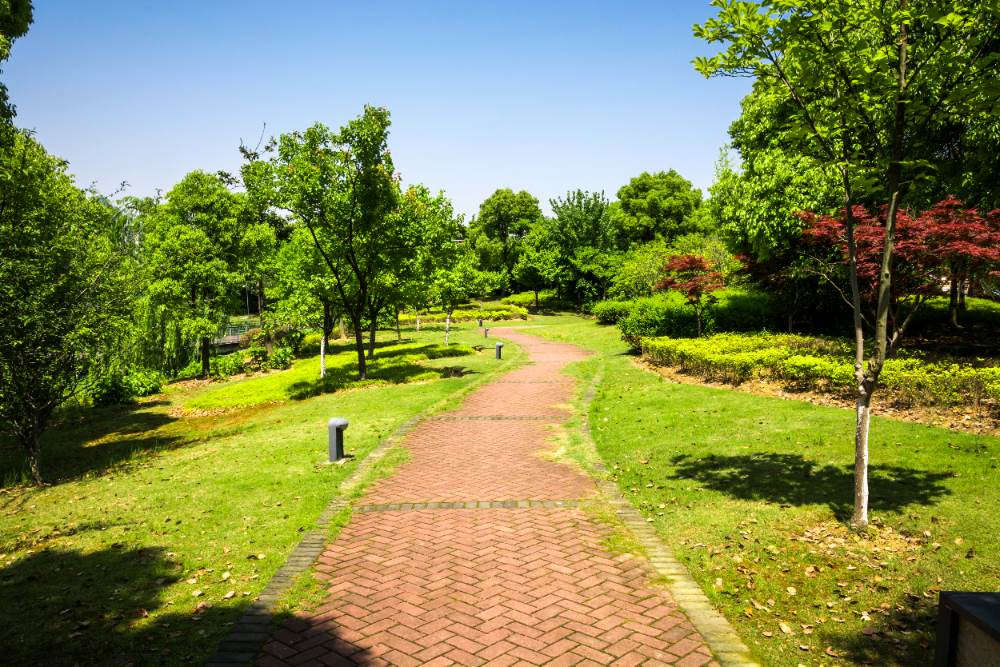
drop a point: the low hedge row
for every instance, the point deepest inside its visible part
(669, 314)
(823, 364)
(492, 313)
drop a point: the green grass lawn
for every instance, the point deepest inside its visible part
(164, 520)
(753, 492)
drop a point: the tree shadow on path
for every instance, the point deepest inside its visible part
(795, 480)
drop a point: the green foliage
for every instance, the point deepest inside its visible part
(281, 358)
(547, 299)
(497, 233)
(121, 386)
(669, 314)
(66, 287)
(655, 206)
(823, 364)
(610, 312)
(492, 313)
(15, 18)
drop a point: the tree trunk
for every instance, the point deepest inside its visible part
(418, 320)
(399, 334)
(447, 327)
(953, 292)
(29, 438)
(863, 409)
(206, 366)
(963, 287)
(359, 344)
(324, 340)
(371, 338)
(343, 333)
(322, 357)
(536, 299)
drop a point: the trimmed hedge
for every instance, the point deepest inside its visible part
(669, 314)
(823, 364)
(493, 313)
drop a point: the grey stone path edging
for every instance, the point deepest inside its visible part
(253, 628)
(723, 641)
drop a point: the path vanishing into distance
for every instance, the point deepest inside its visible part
(476, 552)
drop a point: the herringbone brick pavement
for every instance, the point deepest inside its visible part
(487, 586)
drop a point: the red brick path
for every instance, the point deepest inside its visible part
(497, 586)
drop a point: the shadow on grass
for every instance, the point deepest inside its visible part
(902, 636)
(391, 367)
(795, 480)
(66, 607)
(84, 440)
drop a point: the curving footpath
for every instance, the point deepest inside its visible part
(475, 552)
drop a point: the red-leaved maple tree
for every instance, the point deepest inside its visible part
(696, 278)
(948, 244)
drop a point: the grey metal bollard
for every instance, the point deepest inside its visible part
(480, 321)
(499, 350)
(336, 427)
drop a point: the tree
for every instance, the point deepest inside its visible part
(581, 229)
(192, 260)
(505, 217)
(15, 18)
(434, 230)
(655, 206)
(696, 278)
(304, 290)
(866, 82)
(948, 241)
(539, 265)
(65, 288)
(343, 188)
(458, 278)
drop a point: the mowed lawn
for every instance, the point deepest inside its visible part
(753, 493)
(163, 521)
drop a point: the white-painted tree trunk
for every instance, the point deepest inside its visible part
(322, 356)
(447, 327)
(343, 333)
(418, 321)
(864, 416)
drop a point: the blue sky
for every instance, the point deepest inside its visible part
(543, 96)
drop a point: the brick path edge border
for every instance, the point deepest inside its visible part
(250, 631)
(720, 636)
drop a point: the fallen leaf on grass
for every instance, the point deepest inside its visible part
(791, 590)
(830, 652)
(787, 629)
(868, 631)
(228, 595)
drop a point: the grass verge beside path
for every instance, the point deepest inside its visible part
(164, 522)
(753, 492)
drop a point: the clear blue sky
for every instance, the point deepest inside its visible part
(544, 96)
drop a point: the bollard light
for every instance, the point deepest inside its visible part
(486, 332)
(480, 321)
(336, 427)
(499, 350)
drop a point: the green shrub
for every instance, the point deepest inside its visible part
(229, 364)
(493, 313)
(547, 299)
(610, 312)
(122, 386)
(669, 314)
(806, 362)
(310, 344)
(280, 359)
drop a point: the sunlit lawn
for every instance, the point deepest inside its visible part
(164, 521)
(753, 492)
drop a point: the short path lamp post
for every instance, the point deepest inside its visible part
(486, 332)
(336, 426)
(499, 350)
(480, 321)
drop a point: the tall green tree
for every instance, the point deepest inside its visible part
(655, 206)
(304, 291)
(65, 288)
(15, 18)
(193, 263)
(342, 186)
(867, 84)
(504, 219)
(582, 230)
